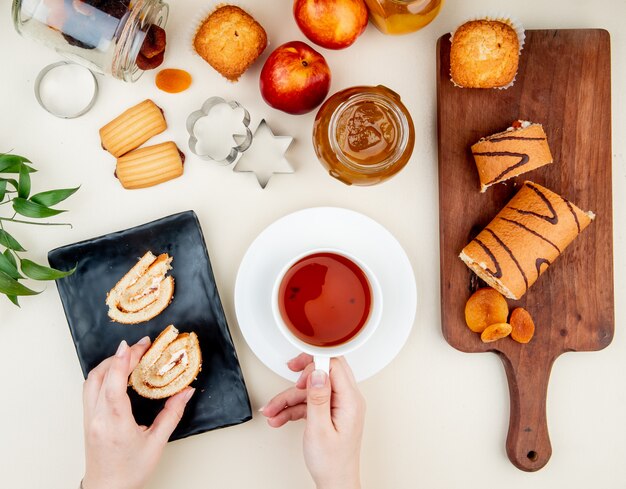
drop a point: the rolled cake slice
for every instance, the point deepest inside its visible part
(521, 148)
(170, 364)
(524, 239)
(144, 292)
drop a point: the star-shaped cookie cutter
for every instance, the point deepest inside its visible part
(266, 156)
(245, 136)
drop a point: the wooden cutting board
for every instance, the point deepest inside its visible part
(564, 83)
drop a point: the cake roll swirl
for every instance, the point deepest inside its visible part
(170, 364)
(521, 148)
(144, 292)
(524, 239)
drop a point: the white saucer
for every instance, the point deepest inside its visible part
(330, 227)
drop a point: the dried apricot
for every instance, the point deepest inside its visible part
(144, 63)
(522, 324)
(486, 306)
(154, 43)
(495, 332)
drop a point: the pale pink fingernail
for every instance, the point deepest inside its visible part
(318, 378)
(144, 341)
(261, 409)
(121, 349)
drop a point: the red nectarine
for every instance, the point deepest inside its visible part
(295, 78)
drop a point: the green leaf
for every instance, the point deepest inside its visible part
(9, 241)
(32, 209)
(8, 267)
(12, 159)
(3, 189)
(13, 164)
(23, 190)
(39, 272)
(53, 197)
(11, 181)
(13, 299)
(9, 256)
(10, 286)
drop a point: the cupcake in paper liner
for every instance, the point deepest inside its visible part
(229, 39)
(485, 52)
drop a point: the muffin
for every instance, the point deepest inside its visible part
(230, 40)
(521, 148)
(484, 54)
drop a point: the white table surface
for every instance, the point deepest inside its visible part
(437, 418)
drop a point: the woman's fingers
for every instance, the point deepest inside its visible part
(301, 382)
(113, 381)
(169, 417)
(93, 383)
(299, 363)
(318, 403)
(292, 413)
(341, 376)
(346, 394)
(290, 397)
(137, 351)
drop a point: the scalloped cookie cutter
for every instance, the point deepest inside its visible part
(215, 127)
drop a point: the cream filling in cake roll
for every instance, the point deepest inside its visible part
(519, 149)
(524, 239)
(171, 364)
(143, 292)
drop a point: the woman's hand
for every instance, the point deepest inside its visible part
(119, 453)
(334, 410)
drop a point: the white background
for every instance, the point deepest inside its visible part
(437, 418)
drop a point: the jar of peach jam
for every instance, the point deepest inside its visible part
(363, 135)
(402, 16)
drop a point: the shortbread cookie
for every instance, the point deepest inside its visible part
(132, 128)
(150, 165)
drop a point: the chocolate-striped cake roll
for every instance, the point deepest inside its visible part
(524, 239)
(519, 149)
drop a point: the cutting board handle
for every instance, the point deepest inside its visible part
(528, 442)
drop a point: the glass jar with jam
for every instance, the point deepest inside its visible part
(402, 16)
(363, 135)
(104, 35)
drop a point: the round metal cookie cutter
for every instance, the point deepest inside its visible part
(66, 90)
(235, 151)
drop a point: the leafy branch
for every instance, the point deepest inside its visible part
(16, 193)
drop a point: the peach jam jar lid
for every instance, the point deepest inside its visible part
(364, 135)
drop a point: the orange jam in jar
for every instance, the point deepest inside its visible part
(402, 16)
(363, 135)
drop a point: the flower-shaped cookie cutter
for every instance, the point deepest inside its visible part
(242, 139)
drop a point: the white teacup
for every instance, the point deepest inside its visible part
(323, 354)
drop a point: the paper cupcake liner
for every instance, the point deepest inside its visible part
(515, 24)
(203, 13)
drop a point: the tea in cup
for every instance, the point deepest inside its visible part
(326, 303)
